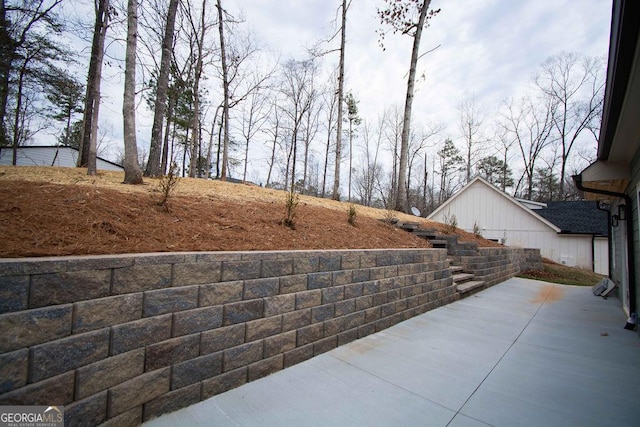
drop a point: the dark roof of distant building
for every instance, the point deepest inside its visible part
(576, 217)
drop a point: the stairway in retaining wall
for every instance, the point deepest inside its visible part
(464, 278)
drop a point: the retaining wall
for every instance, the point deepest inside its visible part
(122, 339)
(495, 265)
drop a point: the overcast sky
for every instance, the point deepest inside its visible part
(487, 48)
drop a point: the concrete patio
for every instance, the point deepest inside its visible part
(523, 352)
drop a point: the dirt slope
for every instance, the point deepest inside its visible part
(62, 211)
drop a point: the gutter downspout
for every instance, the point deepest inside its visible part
(609, 256)
(630, 250)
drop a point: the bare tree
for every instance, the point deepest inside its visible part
(299, 94)
(576, 85)
(132, 172)
(407, 17)
(160, 105)
(471, 121)
(343, 38)
(530, 124)
(89, 133)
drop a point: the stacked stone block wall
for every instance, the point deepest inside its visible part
(495, 265)
(122, 339)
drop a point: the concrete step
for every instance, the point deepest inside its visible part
(455, 269)
(462, 277)
(438, 243)
(409, 226)
(470, 286)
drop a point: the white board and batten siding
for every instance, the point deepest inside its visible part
(50, 156)
(502, 218)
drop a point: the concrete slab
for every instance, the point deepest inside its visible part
(523, 352)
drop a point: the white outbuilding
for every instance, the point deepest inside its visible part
(570, 233)
(61, 156)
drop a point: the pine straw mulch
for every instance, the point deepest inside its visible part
(62, 211)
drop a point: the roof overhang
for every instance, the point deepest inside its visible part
(619, 133)
(606, 177)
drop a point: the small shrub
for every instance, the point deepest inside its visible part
(167, 185)
(450, 222)
(351, 215)
(291, 207)
(476, 230)
(389, 216)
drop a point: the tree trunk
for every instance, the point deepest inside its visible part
(401, 202)
(343, 35)
(154, 162)
(7, 54)
(89, 132)
(225, 90)
(132, 172)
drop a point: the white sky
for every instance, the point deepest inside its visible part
(488, 48)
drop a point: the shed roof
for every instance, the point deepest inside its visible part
(576, 217)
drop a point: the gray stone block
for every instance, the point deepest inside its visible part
(26, 328)
(322, 313)
(195, 370)
(290, 284)
(224, 382)
(139, 333)
(280, 343)
(347, 336)
(221, 293)
(170, 300)
(105, 312)
(329, 263)
(172, 401)
(55, 391)
(196, 273)
(260, 288)
(334, 326)
(307, 299)
(244, 311)
(56, 357)
(265, 367)
(98, 376)
(305, 264)
(277, 268)
(319, 280)
(325, 345)
(279, 304)
(298, 355)
(222, 338)
(13, 370)
(345, 307)
(309, 334)
(342, 277)
(353, 290)
(138, 391)
(332, 294)
(296, 319)
(242, 355)
(140, 278)
(240, 270)
(197, 320)
(130, 418)
(66, 287)
(171, 352)
(14, 293)
(91, 411)
(262, 328)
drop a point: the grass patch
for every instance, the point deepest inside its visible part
(558, 273)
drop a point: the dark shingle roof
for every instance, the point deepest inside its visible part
(578, 217)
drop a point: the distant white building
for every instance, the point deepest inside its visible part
(570, 233)
(50, 156)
